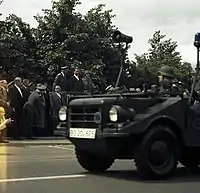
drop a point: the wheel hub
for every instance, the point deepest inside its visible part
(159, 154)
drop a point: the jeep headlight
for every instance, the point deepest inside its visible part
(62, 113)
(119, 114)
(113, 114)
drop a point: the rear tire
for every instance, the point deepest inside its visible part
(92, 162)
(157, 154)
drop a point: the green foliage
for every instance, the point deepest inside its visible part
(162, 51)
(18, 48)
(66, 37)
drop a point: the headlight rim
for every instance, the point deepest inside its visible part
(121, 114)
(64, 113)
(114, 108)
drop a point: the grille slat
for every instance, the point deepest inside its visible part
(82, 113)
(80, 121)
(83, 117)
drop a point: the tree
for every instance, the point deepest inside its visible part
(185, 73)
(162, 51)
(65, 37)
(18, 48)
(53, 35)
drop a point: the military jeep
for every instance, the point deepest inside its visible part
(156, 131)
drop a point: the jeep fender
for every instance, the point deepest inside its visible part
(168, 121)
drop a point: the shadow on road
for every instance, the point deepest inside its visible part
(181, 175)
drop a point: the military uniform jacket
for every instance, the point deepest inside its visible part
(62, 81)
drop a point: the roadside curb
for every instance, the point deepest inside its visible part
(35, 143)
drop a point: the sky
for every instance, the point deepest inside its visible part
(178, 19)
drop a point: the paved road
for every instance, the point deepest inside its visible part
(53, 169)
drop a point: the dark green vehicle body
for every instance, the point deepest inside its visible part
(156, 129)
(120, 139)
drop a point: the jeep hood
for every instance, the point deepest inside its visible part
(92, 101)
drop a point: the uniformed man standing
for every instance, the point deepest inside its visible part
(166, 76)
(88, 85)
(62, 79)
(167, 83)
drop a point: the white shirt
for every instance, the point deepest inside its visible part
(63, 74)
(19, 90)
(59, 95)
(76, 77)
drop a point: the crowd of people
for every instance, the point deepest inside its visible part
(28, 112)
(79, 81)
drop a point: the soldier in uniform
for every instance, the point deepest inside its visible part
(88, 84)
(167, 83)
(166, 76)
(166, 86)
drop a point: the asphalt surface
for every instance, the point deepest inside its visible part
(53, 169)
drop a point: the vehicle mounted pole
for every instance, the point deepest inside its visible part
(197, 45)
(119, 38)
(121, 64)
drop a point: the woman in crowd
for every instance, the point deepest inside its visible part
(3, 124)
(4, 104)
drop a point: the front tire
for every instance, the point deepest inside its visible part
(157, 154)
(92, 162)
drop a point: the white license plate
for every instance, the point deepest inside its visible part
(82, 133)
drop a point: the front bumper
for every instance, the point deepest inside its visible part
(104, 143)
(61, 129)
(93, 146)
(62, 126)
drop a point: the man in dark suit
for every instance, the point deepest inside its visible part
(48, 109)
(62, 79)
(75, 82)
(37, 107)
(26, 89)
(17, 100)
(56, 104)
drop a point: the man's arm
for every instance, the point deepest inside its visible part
(32, 99)
(11, 97)
(56, 81)
(52, 105)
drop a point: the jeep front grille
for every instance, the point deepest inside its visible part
(83, 117)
